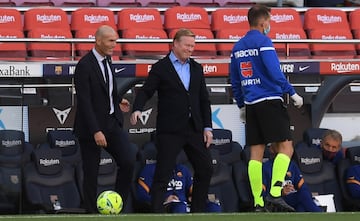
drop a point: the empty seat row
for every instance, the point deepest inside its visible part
(149, 23)
(126, 3)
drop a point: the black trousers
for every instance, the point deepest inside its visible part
(123, 153)
(168, 147)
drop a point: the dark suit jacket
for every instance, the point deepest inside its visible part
(92, 110)
(175, 103)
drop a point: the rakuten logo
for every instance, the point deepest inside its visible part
(282, 18)
(284, 36)
(188, 17)
(48, 18)
(105, 161)
(344, 67)
(11, 143)
(333, 37)
(49, 162)
(221, 141)
(52, 36)
(146, 37)
(233, 19)
(310, 161)
(209, 69)
(141, 18)
(64, 143)
(329, 19)
(7, 19)
(93, 19)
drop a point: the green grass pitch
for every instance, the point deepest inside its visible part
(339, 216)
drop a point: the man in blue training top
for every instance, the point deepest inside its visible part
(295, 191)
(258, 86)
(178, 192)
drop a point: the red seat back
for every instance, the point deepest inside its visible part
(11, 19)
(289, 33)
(186, 17)
(201, 49)
(139, 18)
(92, 18)
(45, 17)
(316, 18)
(226, 18)
(347, 50)
(141, 49)
(50, 49)
(83, 48)
(285, 17)
(225, 48)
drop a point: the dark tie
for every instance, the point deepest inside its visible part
(106, 71)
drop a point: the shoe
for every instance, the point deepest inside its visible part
(277, 204)
(260, 209)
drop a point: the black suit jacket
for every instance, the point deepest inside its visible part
(175, 103)
(92, 111)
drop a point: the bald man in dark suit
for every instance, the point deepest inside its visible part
(99, 120)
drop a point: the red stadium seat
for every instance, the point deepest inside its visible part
(328, 24)
(50, 50)
(332, 50)
(196, 19)
(142, 23)
(229, 18)
(357, 36)
(11, 19)
(186, 17)
(316, 18)
(158, 3)
(118, 3)
(295, 49)
(142, 49)
(203, 50)
(285, 17)
(139, 18)
(224, 49)
(33, 3)
(45, 17)
(12, 51)
(83, 48)
(78, 3)
(91, 18)
(354, 18)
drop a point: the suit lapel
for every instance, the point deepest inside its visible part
(99, 73)
(176, 76)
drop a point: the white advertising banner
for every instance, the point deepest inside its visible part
(21, 69)
(14, 118)
(227, 116)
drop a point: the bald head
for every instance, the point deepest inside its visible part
(105, 40)
(103, 30)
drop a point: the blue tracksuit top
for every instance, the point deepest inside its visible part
(353, 180)
(255, 70)
(179, 185)
(301, 200)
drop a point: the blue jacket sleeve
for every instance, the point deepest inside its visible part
(272, 63)
(144, 183)
(236, 82)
